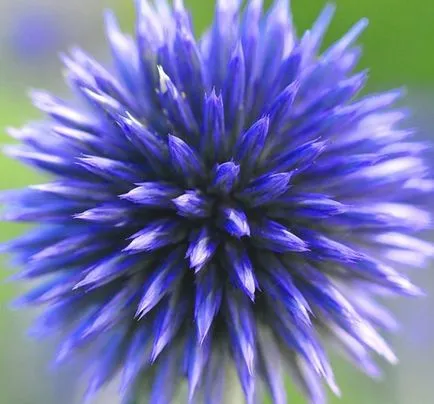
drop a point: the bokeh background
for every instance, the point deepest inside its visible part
(398, 49)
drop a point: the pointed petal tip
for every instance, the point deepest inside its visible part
(250, 294)
(125, 196)
(363, 23)
(164, 80)
(173, 140)
(82, 283)
(393, 359)
(215, 95)
(329, 8)
(386, 352)
(156, 351)
(201, 336)
(196, 268)
(81, 216)
(405, 286)
(140, 313)
(264, 122)
(331, 382)
(110, 20)
(9, 150)
(191, 394)
(417, 292)
(129, 249)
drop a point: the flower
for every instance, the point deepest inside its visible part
(222, 202)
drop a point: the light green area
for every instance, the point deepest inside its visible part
(397, 44)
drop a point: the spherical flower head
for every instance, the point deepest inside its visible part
(222, 202)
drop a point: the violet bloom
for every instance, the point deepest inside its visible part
(227, 201)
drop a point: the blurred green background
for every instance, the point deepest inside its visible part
(398, 49)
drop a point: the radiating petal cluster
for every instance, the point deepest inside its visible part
(227, 201)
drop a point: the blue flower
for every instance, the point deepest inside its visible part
(227, 201)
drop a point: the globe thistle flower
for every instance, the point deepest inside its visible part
(222, 202)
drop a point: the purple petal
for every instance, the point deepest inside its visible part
(276, 237)
(201, 249)
(225, 177)
(240, 268)
(184, 159)
(208, 299)
(234, 222)
(192, 204)
(153, 194)
(160, 282)
(156, 235)
(266, 188)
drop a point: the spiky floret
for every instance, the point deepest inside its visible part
(226, 201)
